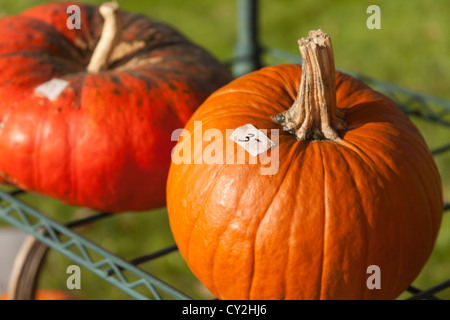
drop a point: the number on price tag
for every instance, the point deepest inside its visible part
(251, 139)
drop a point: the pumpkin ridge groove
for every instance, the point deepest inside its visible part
(73, 147)
(358, 200)
(146, 79)
(296, 152)
(287, 87)
(354, 148)
(201, 212)
(78, 81)
(36, 147)
(419, 150)
(392, 201)
(232, 114)
(241, 91)
(324, 221)
(389, 196)
(219, 172)
(300, 163)
(218, 242)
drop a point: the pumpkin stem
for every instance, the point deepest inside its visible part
(110, 37)
(314, 114)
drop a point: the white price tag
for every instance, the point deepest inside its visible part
(251, 139)
(52, 88)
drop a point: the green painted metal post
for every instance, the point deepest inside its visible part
(247, 49)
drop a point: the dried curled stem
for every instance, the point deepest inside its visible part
(109, 39)
(314, 114)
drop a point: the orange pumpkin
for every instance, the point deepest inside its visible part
(356, 187)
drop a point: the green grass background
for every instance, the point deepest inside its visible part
(410, 50)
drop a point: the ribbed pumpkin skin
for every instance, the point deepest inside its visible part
(311, 230)
(105, 142)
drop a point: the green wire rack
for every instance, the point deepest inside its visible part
(81, 250)
(48, 233)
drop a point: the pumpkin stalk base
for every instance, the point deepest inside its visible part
(314, 114)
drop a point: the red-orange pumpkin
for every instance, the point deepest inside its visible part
(105, 141)
(356, 187)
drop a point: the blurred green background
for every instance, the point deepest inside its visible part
(410, 50)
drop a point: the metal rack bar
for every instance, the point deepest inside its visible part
(151, 256)
(86, 220)
(33, 222)
(417, 292)
(428, 294)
